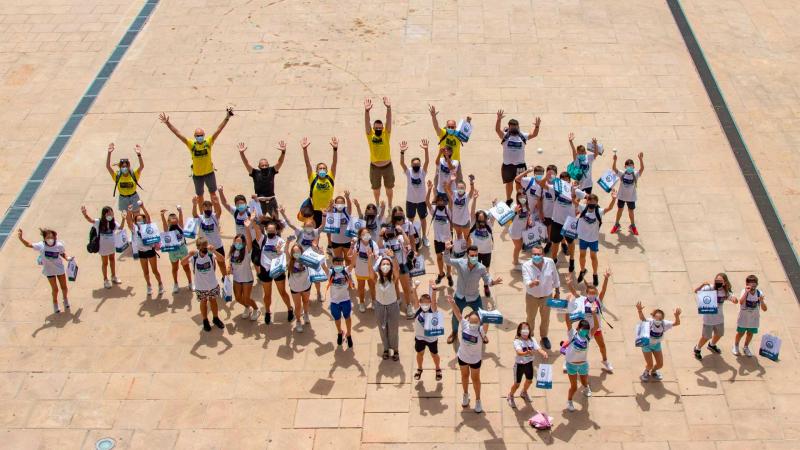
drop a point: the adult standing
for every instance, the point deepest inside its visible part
(125, 180)
(513, 141)
(380, 155)
(321, 181)
(541, 279)
(200, 151)
(447, 135)
(264, 178)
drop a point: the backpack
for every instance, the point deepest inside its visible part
(307, 207)
(119, 175)
(575, 172)
(94, 241)
(508, 134)
(255, 253)
(596, 213)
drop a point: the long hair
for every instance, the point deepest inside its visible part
(291, 261)
(387, 277)
(726, 284)
(105, 225)
(237, 256)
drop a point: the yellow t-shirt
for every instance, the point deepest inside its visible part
(379, 146)
(126, 186)
(201, 156)
(323, 191)
(453, 142)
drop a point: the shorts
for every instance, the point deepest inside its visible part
(485, 259)
(547, 221)
(414, 209)
(209, 180)
(652, 348)
(477, 365)
(621, 204)
(438, 247)
(343, 309)
(587, 190)
(510, 171)
(147, 254)
(269, 207)
(208, 295)
(377, 173)
(220, 250)
(345, 245)
(300, 292)
(593, 246)
(263, 276)
(578, 369)
(555, 234)
(710, 330)
(178, 254)
(403, 269)
(420, 345)
(317, 218)
(362, 278)
(243, 283)
(747, 330)
(123, 201)
(523, 369)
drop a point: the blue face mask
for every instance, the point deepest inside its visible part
(199, 139)
(537, 259)
(583, 333)
(473, 260)
(123, 170)
(338, 269)
(238, 245)
(629, 169)
(538, 177)
(582, 158)
(322, 173)
(241, 207)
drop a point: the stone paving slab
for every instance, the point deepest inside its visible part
(143, 372)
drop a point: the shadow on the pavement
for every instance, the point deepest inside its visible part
(211, 339)
(574, 421)
(522, 413)
(244, 326)
(388, 368)
(629, 241)
(345, 359)
(182, 300)
(59, 320)
(153, 306)
(657, 391)
(715, 364)
(478, 422)
(516, 279)
(115, 292)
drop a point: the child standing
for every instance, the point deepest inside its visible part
(206, 284)
(524, 346)
(589, 222)
(652, 351)
(415, 187)
(627, 190)
(210, 228)
(148, 258)
(362, 249)
(442, 230)
(425, 306)
(173, 223)
(106, 225)
(714, 324)
(242, 272)
(340, 283)
(51, 252)
(576, 350)
(751, 303)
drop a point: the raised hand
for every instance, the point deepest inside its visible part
(500, 114)
(537, 121)
(334, 143)
(111, 148)
(403, 146)
(386, 102)
(242, 147)
(229, 110)
(677, 312)
(305, 143)
(432, 110)
(571, 137)
(138, 149)
(423, 144)
(164, 118)
(641, 156)
(282, 146)
(450, 300)
(639, 306)
(83, 209)
(607, 274)
(368, 104)
(430, 184)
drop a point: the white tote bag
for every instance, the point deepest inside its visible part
(170, 241)
(770, 347)
(643, 334)
(607, 180)
(434, 324)
(419, 266)
(190, 228)
(544, 376)
(354, 226)
(707, 302)
(333, 223)
(121, 240)
(277, 266)
(534, 235)
(502, 213)
(72, 270)
(149, 233)
(227, 288)
(570, 228)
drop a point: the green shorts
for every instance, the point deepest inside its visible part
(178, 254)
(746, 330)
(652, 348)
(578, 369)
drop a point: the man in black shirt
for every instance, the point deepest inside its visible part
(264, 178)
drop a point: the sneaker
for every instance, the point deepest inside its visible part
(478, 407)
(206, 325)
(290, 315)
(115, 280)
(306, 319)
(149, 290)
(571, 265)
(615, 228)
(465, 399)
(55, 308)
(510, 401)
(645, 376)
(248, 311)
(439, 278)
(107, 284)
(697, 355)
(714, 348)
(634, 230)
(409, 312)
(746, 348)
(587, 391)
(66, 306)
(524, 395)
(657, 376)
(735, 350)
(350, 341)
(339, 339)
(191, 287)
(298, 327)
(450, 281)
(267, 317)
(175, 288)
(565, 364)
(160, 289)
(255, 314)
(581, 274)
(607, 365)
(595, 280)
(570, 406)
(425, 242)
(362, 308)
(564, 248)
(546, 343)
(218, 323)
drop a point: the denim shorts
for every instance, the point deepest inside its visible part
(343, 309)
(593, 246)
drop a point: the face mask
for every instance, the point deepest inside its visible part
(474, 326)
(537, 259)
(415, 168)
(583, 333)
(582, 158)
(308, 230)
(296, 255)
(369, 217)
(140, 222)
(199, 139)
(440, 207)
(473, 260)
(522, 201)
(50, 242)
(207, 213)
(397, 218)
(365, 238)
(591, 207)
(565, 180)
(657, 323)
(386, 269)
(379, 132)
(718, 285)
(388, 235)
(322, 173)
(629, 169)
(460, 191)
(270, 235)
(110, 218)
(203, 251)
(241, 207)
(538, 177)
(591, 298)
(238, 245)
(338, 269)
(524, 332)
(481, 224)
(123, 170)
(264, 169)
(338, 207)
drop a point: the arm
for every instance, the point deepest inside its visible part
(349, 202)
(614, 164)
(403, 148)
(138, 150)
(641, 163)
(498, 127)
(185, 260)
(243, 148)
(613, 200)
(367, 121)
(639, 308)
(304, 144)
(289, 223)
(596, 148)
(437, 129)
(427, 160)
(432, 291)
(535, 132)
(86, 216)
(572, 146)
(108, 160)
(455, 308)
(217, 207)
(428, 196)
(282, 157)
(474, 205)
(388, 106)
(677, 317)
(763, 304)
(335, 148)
(700, 288)
(146, 214)
(228, 114)
(358, 208)
(602, 293)
(223, 199)
(180, 216)
(518, 178)
(163, 220)
(194, 208)
(165, 120)
(22, 239)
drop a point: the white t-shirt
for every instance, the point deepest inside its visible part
(577, 349)
(563, 206)
(460, 215)
(107, 246)
(443, 172)
(586, 166)
(532, 190)
(589, 225)
(209, 226)
(362, 257)
(583, 302)
(415, 185)
(627, 185)
(385, 294)
(514, 148)
(242, 271)
(749, 310)
(657, 331)
(719, 317)
(482, 238)
(341, 237)
(298, 277)
(269, 249)
(419, 327)
(340, 292)
(521, 345)
(520, 222)
(203, 268)
(548, 202)
(397, 244)
(239, 217)
(470, 350)
(306, 239)
(137, 236)
(52, 263)
(441, 224)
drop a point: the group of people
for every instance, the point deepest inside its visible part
(371, 255)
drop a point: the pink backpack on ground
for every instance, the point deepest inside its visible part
(541, 421)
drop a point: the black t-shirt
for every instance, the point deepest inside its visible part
(264, 181)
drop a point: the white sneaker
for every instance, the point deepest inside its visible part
(66, 305)
(248, 311)
(426, 242)
(191, 287)
(255, 314)
(735, 350)
(570, 406)
(55, 308)
(305, 318)
(409, 311)
(510, 401)
(747, 351)
(107, 284)
(565, 368)
(478, 407)
(465, 400)
(298, 327)
(657, 376)
(149, 290)
(175, 288)
(587, 391)
(115, 280)
(645, 376)
(608, 366)
(160, 289)
(362, 308)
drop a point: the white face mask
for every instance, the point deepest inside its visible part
(50, 242)
(385, 268)
(338, 207)
(308, 230)
(425, 306)
(365, 238)
(524, 332)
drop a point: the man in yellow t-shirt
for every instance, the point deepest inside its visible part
(448, 138)
(380, 155)
(200, 151)
(321, 182)
(125, 181)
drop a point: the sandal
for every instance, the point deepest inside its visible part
(438, 374)
(386, 354)
(451, 338)
(485, 340)
(418, 374)
(396, 356)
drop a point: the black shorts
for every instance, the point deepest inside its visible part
(523, 369)
(420, 345)
(300, 292)
(263, 276)
(414, 209)
(477, 365)
(547, 221)
(485, 259)
(438, 247)
(147, 254)
(317, 218)
(510, 171)
(555, 234)
(221, 251)
(621, 204)
(587, 190)
(346, 245)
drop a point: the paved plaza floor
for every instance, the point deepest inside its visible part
(142, 371)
